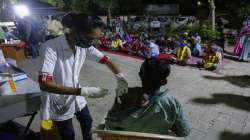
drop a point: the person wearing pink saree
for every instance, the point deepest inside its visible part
(240, 41)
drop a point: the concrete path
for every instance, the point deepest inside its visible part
(217, 104)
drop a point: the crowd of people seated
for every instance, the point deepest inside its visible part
(151, 43)
(141, 44)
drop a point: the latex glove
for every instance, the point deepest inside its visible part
(94, 92)
(122, 86)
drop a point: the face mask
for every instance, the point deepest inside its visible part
(83, 43)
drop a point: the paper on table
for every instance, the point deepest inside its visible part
(7, 88)
(16, 73)
(26, 86)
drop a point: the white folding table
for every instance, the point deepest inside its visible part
(26, 101)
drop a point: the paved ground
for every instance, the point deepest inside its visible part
(217, 104)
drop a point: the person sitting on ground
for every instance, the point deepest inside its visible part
(167, 48)
(175, 42)
(109, 34)
(117, 43)
(135, 46)
(126, 43)
(213, 57)
(154, 50)
(148, 109)
(140, 48)
(161, 42)
(104, 43)
(183, 54)
(128, 38)
(196, 47)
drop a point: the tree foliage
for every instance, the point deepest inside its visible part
(212, 13)
(244, 11)
(72, 5)
(107, 4)
(80, 5)
(54, 2)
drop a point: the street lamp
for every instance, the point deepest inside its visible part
(199, 3)
(21, 10)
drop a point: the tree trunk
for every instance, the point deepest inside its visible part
(212, 13)
(109, 17)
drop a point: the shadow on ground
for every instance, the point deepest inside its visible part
(241, 80)
(14, 131)
(232, 100)
(226, 135)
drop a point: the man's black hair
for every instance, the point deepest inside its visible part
(82, 22)
(153, 73)
(53, 17)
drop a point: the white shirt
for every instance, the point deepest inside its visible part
(154, 49)
(58, 59)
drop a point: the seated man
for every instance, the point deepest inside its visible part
(117, 43)
(183, 54)
(153, 48)
(213, 57)
(148, 109)
(196, 47)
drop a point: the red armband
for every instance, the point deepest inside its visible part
(104, 60)
(45, 77)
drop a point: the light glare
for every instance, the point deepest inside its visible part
(21, 10)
